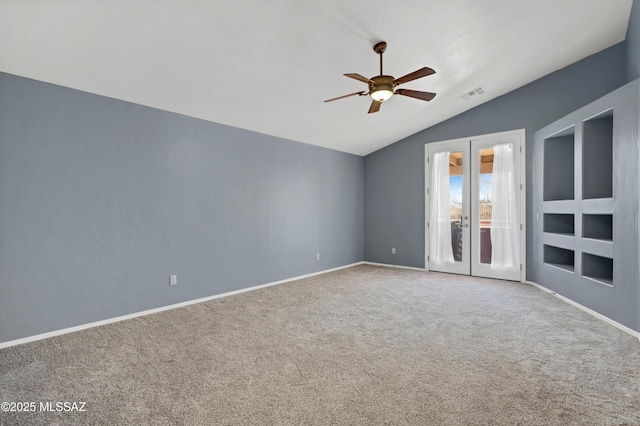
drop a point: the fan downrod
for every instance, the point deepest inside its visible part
(379, 48)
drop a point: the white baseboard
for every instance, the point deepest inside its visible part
(386, 265)
(587, 310)
(163, 308)
(231, 293)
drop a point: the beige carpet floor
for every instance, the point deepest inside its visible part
(361, 346)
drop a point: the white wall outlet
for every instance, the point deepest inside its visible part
(173, 280)
(317, 256)
(393, 250)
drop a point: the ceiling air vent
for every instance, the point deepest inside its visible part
(478, 91)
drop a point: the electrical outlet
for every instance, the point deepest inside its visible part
(317, 256)
(173, 280)
(393, 250)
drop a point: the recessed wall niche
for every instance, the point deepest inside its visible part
(559, 166)
(597, 156)
(557, 223)
(597, 226)
(597, 268)
(559, 257)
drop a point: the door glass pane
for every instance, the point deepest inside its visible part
(455, 203)
(484, 180)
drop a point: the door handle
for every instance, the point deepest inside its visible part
(466, 225)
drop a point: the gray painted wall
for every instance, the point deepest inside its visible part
(101, 200)
(394, 175)
(633, 66)
(633, 43)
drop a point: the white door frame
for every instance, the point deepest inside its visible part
(520, 133)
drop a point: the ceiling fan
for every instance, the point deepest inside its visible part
(382, 87)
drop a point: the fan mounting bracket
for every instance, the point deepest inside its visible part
(380, 47)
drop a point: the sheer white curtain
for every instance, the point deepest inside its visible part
(440, 250)
(505, 229)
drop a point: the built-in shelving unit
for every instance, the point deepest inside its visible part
(559, 166)
(559, 223)
(591, 140)
(597, 226)
(586, 236)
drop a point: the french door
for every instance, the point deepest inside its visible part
(475, 206)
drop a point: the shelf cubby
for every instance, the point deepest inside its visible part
(597, 226)
(559, 257)
(597, 156)
(597, 268)
(557, 223)
(559, 168)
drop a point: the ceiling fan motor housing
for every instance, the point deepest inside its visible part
(381, 87)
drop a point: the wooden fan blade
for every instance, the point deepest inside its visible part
(422, 72)
(425, 96)
(375, 106)
(346, 96)
(359, 77)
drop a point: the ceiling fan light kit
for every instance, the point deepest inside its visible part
(382, 87)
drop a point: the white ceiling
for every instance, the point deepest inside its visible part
(267, 66)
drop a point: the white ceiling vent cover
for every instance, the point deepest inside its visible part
(478, 91)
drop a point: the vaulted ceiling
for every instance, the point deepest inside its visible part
(267, 66)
